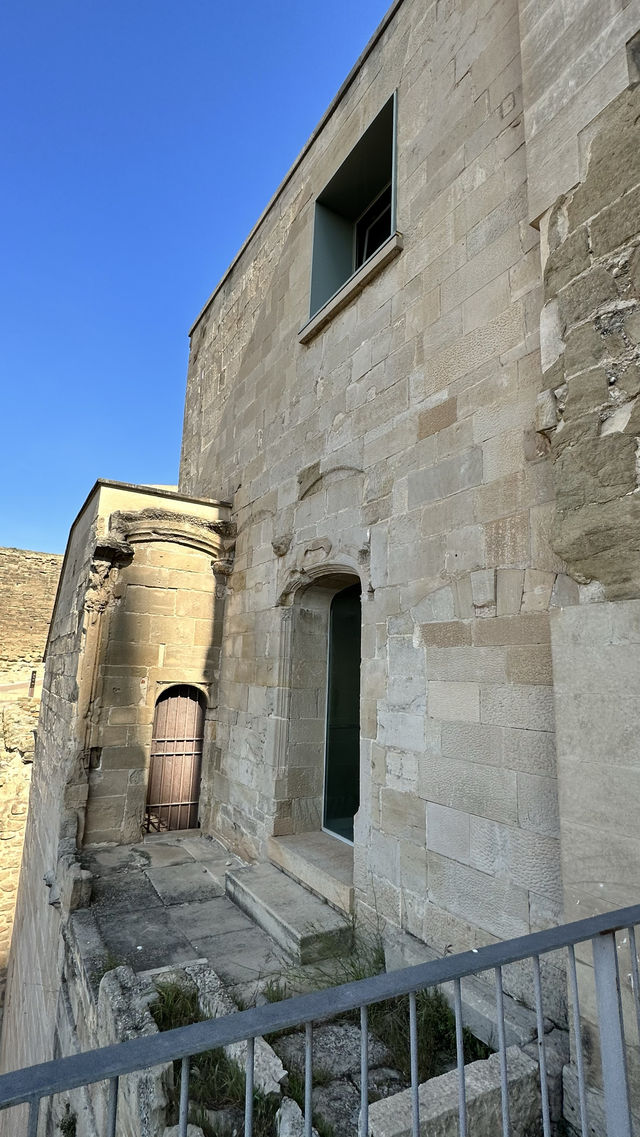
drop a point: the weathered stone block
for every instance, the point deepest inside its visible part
(537, 590)
(587, 295)
(459, 702)
(527, 707)
(546, 411)
(469, 787)
(509, 584)
(567, 261)
(525, 629)
(526, 858)
(402, 815)
(617, 224)
(448, 832)
(531, 664)
(507, 540)
(392, 1116)
(587, 392)
(483, 587)
(437, 418)
(497, 906)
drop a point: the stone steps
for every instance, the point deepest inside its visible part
(319, 862)
(299, 922)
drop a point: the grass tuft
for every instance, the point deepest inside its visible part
(68, 1124)
(215, 1082)
(389, 1020)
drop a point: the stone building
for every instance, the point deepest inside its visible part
(28, 583)
(410, 457)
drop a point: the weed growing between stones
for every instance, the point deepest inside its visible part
(216, 1084)
(389, 1020)
(68, 1124)
(109, 963)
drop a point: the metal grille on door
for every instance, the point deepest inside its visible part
(176, 757)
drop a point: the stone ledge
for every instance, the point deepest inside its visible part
(352, 287)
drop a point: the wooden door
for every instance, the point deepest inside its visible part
(173, 790)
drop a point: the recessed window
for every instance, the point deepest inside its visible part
(355, 212)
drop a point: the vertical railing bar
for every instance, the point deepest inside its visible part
(34, 1111)
(577, 1031)
(364, 1072)
(615, 1080)
(542, 1062)
(502, 1046)
(308, 1078)
(462, 1091)
(248, 1088)
(112, 1107)
(635, 979)
(184, 1098)
(413, 1050)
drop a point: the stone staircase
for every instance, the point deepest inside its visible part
(304, 926)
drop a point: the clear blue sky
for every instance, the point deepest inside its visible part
(140, 140)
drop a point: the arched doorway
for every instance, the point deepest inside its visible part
(173, 789)
(342, 739)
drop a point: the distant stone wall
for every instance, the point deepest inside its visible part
(28, 583)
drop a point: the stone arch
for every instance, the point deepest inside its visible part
(300, 756)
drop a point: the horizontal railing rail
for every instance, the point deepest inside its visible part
(31, 1084)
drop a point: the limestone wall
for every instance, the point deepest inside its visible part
(398, 445)
(135, 612)
(28, 582)
(588, 411)
(574, 63)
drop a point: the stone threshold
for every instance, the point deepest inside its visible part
(320, 862)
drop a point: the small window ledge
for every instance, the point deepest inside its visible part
(352, 287)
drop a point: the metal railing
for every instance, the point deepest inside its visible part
(33, 1084)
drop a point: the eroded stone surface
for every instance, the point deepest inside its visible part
(439, 1102)
(336, 1050)
(592, 272)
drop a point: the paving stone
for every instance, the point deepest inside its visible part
(206, 849)
(111, 860)
(158, 854)
(125, 890)
(144, 939)
(204, 919)
(242, 955)
(192, 881)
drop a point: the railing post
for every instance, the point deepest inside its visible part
(611, 1026)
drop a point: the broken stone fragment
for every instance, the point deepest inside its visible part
(192, 1131)
(290, 1121)
(281, 545)
(546, 411)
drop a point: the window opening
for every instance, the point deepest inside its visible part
(173, 791)
(355, 213)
